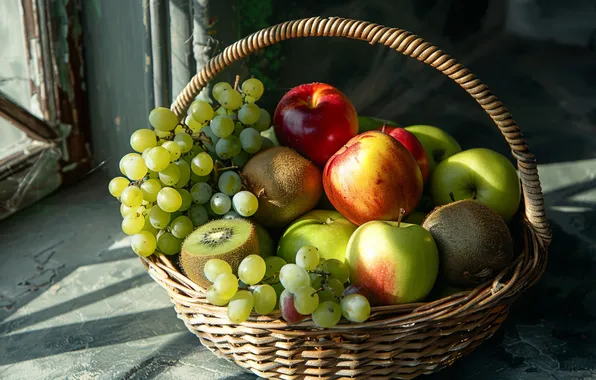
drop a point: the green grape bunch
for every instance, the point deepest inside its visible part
(313, 286)
(183, 173)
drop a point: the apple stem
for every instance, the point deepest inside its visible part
(474, 194)
(402, 212)
(452, 197)
(236, 82)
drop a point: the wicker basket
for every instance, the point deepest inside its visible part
(402, 341)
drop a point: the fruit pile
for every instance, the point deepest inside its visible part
(317, 212)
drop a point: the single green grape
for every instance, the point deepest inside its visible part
(293, 277)
(307, 257)
(335, 286)
(249, 113)
(133, 224)
(265, 299)
(253, 87)
(198, 215)
(142, 139)
(150, 188)
(149, 227)
(215, 267)
(170, 175)
(186, 199)
(117, 185)
(228, 147)
(194, 125)
(201, 193)
(336, 269)
(306, 300)
(327, 314)
(214, 298)
(230, 99)
(264, 121)
(222, 126)
(131, 196)
(202, 164)
(143, 243)
(168, 244)
(355, 308)
(251, 140)
(133, 166)
(173, 148)
(238, 128)
(169, 200)
(226, 285)
(252, 269)
(245, 203)
(214, 139)
(220, 203)
(181, 226)
(162, 135)
(219, 88)
(274, 265)
(229, 183)
(163, 119)
(184, 168)
(201, 111)
(158, 159)
(159, 218)
(240, 306)
(184, 141)
(125, 210)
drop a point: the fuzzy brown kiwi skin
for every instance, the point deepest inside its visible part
(286, 184)
(193, 266)
(474, 242)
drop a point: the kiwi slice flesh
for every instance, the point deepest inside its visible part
(230, 240)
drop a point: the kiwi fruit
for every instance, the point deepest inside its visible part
(286, 184)
(474, 242)
(230, 240)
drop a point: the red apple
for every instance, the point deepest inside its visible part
(411, 142)
(315, 120)
(372, 177)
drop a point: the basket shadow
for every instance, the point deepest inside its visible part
(82, 336)
(73, 304)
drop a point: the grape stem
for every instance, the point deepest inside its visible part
(236, 82)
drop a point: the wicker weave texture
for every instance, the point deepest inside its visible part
(402, 341)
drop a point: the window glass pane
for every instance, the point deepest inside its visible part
(14, 74)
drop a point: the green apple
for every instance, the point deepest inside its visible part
(327, 230)
(369, 123)
(395, 262)
(437, 143)
(270, 134)
(478, 173)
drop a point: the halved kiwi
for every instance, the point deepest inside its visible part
(230, 240)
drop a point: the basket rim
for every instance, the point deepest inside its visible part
(521, 274)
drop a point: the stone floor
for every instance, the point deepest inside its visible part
(75, 303)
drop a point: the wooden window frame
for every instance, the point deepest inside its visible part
(54, 52)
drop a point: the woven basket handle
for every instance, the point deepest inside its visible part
(409, 45)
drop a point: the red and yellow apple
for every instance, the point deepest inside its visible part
(396, 262)
(315, 119)
(372, 177)
(411, 142)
